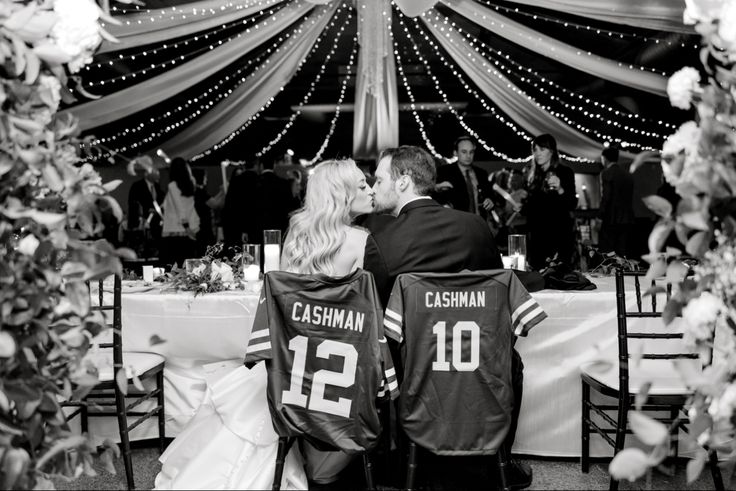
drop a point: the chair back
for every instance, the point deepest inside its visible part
(457, 332)
(644, 341)
(327, 359)
(111, 310)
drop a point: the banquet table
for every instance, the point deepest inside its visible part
(194, 332)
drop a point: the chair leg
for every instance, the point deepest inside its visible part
(411, 466)
(368, 470)
(161, 412)
(585, 430)
(715, 471)
(623, 412)
(124, 439)
(284, 446)
(503, 460)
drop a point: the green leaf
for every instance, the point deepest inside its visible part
(698, 244)
(659, 234)
(658, 205)
(38, 27)
(695, 220)
(672, 309)
(122, 380)
(155, 339)
(107, 461)
(77, 294)
(112, 185)
(51, 54)
(642, 395)
(676, 272)
(696, 465)
(7, 345)
(648, 430)
(21, 17)
(33, 67)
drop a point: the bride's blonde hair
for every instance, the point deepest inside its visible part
(318, 229)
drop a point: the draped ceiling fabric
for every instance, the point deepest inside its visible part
(495, 86)
(230, 113)
(376, 101)
(156, 89)
(376, 116)
(660, 15)
(557, 50)
(138, 30)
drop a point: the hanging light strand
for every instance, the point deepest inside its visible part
(275, 48)
(333, 123)
(585, 27)
(268, 103)
(309, 93)
(472, 40)
(154, 67)
(180, 12)
(490, 68)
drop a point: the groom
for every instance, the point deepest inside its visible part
(424, 236)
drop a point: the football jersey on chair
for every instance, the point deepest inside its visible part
(456, 333)
(326, 356)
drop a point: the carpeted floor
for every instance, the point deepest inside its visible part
(548, 474)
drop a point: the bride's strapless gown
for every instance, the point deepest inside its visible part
(230, 442)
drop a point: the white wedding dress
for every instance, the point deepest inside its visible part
(230, 442)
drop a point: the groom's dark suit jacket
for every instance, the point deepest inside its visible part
(427, 237)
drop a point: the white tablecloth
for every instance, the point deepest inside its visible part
(581, 326)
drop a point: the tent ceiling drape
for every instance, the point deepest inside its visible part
(376, 102)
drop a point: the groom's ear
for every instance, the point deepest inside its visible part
(404, 182)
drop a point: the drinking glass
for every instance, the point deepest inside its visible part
(271, 250)
(517, 250)
(251, 262)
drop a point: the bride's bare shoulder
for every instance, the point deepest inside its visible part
(356, 236)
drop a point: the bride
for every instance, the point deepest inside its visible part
(230, 442)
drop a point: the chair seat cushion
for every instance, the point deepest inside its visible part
(135, 363)
(665, 379)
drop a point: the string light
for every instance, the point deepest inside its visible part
(183, 12)
(257, 114)
(340, 99)
(523, 39)
(309, 93)
(442, 94)
(519, 132)
(203, 108)
(490, 69)
(182, 58)
(473, 40)
(596, 30)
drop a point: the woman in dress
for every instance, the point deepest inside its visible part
(181, 222)
(230, 442)
(549, 204)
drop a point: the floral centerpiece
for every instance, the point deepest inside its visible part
(699, 160)
(51, 210)
(212, 273)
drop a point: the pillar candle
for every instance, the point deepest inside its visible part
(271, 253)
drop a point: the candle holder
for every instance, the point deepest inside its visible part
(251, 262)
(271, 250)
(517, 251)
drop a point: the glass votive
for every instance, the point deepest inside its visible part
(517, 250)
(271, 250)
(508, 262)
(191, 264)
(251, 262)
(148, 274)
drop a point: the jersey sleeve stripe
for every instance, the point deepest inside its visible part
(534, 317)
(393, 315)
(259, 334)
(254, 348)
(521, 309)
(394, 330)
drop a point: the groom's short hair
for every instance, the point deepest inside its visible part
(414, 162)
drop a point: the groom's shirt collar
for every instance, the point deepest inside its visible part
(411, 201)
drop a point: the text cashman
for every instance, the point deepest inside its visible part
(455, 299)
(323, 316)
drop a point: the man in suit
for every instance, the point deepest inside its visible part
(144, 210)
(275, 201)
(462, 185)
(239, 219)
(424, 236)
(616, 211)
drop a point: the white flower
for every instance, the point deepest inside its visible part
(722, 407)
(700, 315)
(28, 245)
(685, 139)
(701, 11)
(681, 85)
(223, 271)
(727, 25)
(77, 31)
(49, 91)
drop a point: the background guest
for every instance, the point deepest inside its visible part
(462, 185)
(239, 219)
(616, 212)
(145, 219)
(274, 202)
(181, 222)
(549, 205)
(206, 234)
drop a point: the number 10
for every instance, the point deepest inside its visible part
(442, 365)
